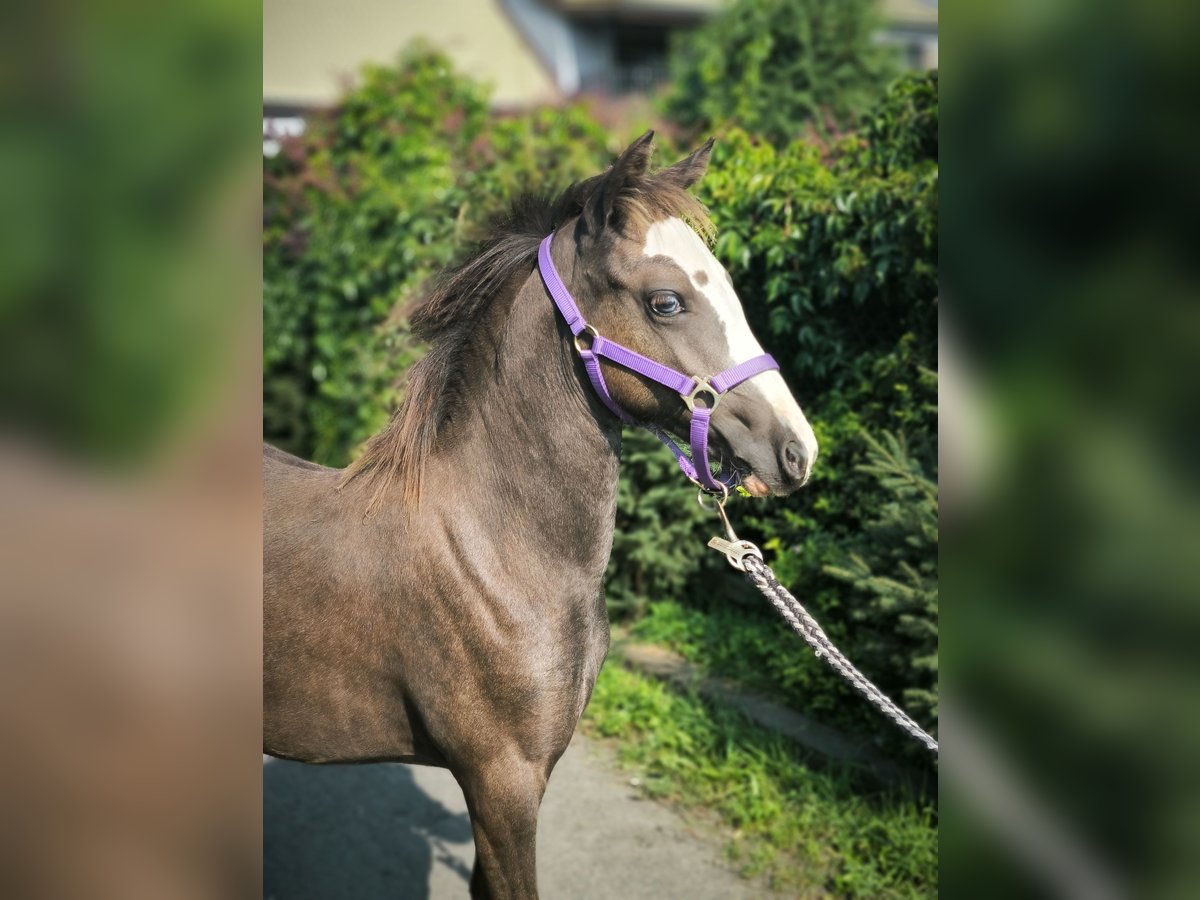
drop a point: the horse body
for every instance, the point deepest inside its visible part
(441, 602)
(465, 630)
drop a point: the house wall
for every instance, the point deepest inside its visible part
(312, 47)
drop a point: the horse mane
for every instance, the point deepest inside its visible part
(451, 313)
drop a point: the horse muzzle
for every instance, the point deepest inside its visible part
(774, 460)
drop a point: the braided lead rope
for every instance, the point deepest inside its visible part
(806, 626)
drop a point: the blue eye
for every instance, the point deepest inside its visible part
(665, 303)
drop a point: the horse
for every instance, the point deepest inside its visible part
(440, 601)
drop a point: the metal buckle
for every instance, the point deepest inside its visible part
(709, 492)
(735, 550)
(702, 387)
(590, 330)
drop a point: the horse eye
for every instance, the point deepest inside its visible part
(665, 303)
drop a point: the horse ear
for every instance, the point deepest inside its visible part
(630, 167)
(689, 170)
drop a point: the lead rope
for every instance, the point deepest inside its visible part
(746, 557)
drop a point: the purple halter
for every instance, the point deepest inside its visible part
(689, 387)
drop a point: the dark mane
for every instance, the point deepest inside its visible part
(448, 317)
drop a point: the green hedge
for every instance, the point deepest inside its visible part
(780, 67)
(834, 251)
(380, 193)
(836, 262)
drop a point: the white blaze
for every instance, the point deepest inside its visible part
(674, 239)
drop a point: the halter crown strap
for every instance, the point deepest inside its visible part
(558, 291)
(687, 386)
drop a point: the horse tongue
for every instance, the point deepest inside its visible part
(755, 485)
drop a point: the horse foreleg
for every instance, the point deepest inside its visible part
(503, 797)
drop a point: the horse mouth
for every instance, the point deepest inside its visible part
(728, 461)
(748, 479)
(755, 485)
(744, 473)
(759, 473)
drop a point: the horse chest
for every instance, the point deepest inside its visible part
(526, 673)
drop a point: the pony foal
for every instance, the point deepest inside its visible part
(461, 623)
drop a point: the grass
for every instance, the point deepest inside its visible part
(756, 649)
(809, 833)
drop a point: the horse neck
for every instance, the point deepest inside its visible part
(529, 448)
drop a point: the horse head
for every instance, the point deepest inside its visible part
(646, 279)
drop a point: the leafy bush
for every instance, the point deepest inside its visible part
(773, 66)
(897, 629)
(356, 215)
(893, 629)
(835, 259)
(380, 193)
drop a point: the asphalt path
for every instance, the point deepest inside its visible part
(393, 831)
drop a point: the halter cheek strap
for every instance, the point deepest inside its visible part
(700, 395)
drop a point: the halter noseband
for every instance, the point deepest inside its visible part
(689, 387)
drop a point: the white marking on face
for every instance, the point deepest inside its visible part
(674, 239)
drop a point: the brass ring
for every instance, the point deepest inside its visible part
(702, 387)
(589, 330)
(705, 492)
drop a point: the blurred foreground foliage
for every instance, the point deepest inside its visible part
(124, 156)
(834, 252)
(1072, 510)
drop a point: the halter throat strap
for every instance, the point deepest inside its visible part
(700, 395)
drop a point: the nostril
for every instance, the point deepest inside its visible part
(795, 460)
